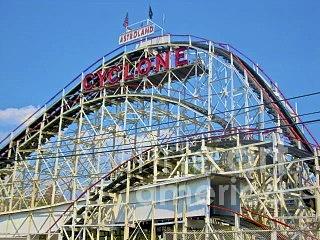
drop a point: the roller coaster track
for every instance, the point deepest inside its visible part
(47, 122)
(273, 103)
(144, 169)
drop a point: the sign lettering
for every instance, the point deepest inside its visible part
(136, 34)
(128, 71)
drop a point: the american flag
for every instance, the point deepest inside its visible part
(126, 21)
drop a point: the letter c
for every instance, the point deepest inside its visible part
(87, 84)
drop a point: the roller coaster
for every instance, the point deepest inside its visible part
(169, 136)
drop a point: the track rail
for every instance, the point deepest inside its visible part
(274, 103)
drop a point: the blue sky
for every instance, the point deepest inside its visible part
(44, 44)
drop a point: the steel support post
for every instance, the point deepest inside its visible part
(36, 195)
(203, 150)
(210, 82)
(237, 227)
(240, 152)
(5, 186)
(246, 100)
(13, 179)
(207, 227)
(100, 207)
(169, 74)
(232, 103)
(261, 116)
(155, 174)
(36, 177)
(58, 146)
(186, 160)
(175, 202)
(101, 127)
(275, 183)
(155, 165)
(77, 148)
(126, 224)
(178, 123)
(112, 235)
(225, 93)
(184, 211)
(153, 229)
(75, 165)
(56, 161)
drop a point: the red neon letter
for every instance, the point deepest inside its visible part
(160, 62)
(113, 75)
(87, 82)
(101, 74)
(126, 72)
(144, 66)
(180, 57)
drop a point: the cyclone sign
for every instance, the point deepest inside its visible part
(143, 67)
(135, 34)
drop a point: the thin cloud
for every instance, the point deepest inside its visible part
(12, 117)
